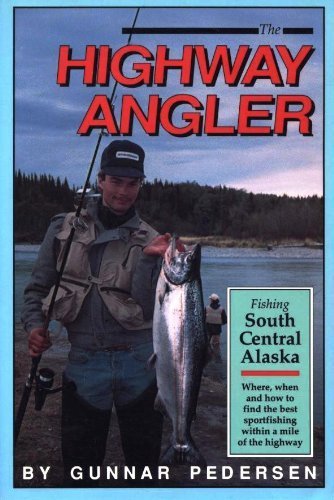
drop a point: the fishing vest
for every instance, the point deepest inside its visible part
(114, 277)
(214, 316)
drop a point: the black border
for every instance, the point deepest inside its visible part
(311, 372)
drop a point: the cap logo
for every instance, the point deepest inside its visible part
(127, 155)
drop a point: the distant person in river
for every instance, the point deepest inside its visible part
(215, 317)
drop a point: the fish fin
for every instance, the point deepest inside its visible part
(151, 361)
(159, 406)
(177, 455)
(162, 295)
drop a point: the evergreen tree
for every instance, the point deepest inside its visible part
(184, 208)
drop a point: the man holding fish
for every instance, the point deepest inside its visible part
(106, 300)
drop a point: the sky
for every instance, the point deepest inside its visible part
(47, 116)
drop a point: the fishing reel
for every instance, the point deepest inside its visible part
(44, 382)
(90, 197)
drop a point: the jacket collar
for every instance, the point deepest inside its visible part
(122, 232)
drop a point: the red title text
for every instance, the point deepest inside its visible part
(183, 113)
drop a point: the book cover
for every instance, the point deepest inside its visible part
(229, 104)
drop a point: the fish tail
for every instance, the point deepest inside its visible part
(183, 455)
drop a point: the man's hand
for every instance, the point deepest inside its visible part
(38, 341)
(159, 245)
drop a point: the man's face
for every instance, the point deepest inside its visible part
(119, 193)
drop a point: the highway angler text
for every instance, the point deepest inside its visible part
(134, 66)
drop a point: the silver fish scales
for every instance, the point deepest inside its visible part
(180, 346)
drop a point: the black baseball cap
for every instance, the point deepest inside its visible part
(123, 159)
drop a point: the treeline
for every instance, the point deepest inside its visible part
(191, 209)
(36, 200)
(183, 208)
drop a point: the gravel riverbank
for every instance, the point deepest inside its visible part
(39, 441)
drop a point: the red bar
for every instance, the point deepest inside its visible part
(270, 373)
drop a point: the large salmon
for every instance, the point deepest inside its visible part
(180, 346)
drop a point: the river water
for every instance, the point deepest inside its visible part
(230, 267)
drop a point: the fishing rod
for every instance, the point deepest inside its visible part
(44, 379)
